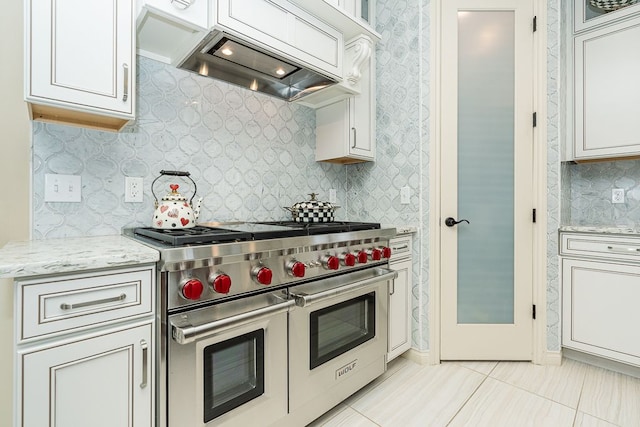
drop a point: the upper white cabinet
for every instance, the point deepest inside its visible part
(607, 91)
(80, 64)
(586, 16)
(345, 130)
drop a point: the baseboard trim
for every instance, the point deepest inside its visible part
(417, 356)
(602, 362)
(553, 358)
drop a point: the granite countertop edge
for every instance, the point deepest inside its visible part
(65, 255)
(601, 229)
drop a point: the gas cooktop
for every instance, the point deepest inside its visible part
(214, 232)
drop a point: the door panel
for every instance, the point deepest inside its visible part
(486, 280)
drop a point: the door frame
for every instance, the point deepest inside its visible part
(539, 250)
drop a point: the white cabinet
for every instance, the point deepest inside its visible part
(606, 92)
(400, 297)
(586, 16)
(104, 380)
(600, 290)
(345, 130)
(80, 64)
(85, 349)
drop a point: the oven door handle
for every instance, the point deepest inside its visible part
(303, 300)
(187, 334)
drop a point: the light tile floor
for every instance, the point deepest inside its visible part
(491, 394)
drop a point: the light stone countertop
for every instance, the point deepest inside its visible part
(602, 229)
(52, 256)
(402, 229)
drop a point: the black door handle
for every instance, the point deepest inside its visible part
(450, 222)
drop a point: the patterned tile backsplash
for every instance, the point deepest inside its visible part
(248, 153)
(251, 154)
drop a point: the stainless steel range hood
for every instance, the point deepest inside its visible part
(227, 58)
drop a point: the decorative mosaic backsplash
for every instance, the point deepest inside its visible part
(589, 193)
(248, 153)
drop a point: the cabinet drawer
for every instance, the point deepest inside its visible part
(610, 247)
(61, 304)
(401, 246)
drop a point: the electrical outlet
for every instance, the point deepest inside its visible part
(133, 189)
(617, 195)
(332, 196)
(62, 188)
(405, 195)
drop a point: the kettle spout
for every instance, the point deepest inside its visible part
(196, 208)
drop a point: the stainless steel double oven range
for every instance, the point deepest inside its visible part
(267, 323)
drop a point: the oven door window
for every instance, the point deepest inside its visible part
(341, 327)
(233, 373)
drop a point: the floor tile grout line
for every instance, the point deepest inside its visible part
(468, 398)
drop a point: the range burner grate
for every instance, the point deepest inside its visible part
(194, 235)
(313, 228)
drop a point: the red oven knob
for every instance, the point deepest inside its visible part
(192, 289)
(296, 268)
(362, 257)
(375, 254)
(263, 275)
(348, 259)
(331, 262)
(386, 252)
(221, 283)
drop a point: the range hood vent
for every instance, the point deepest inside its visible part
(223, 57)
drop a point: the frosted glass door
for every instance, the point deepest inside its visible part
(486, 61)
(486, 166)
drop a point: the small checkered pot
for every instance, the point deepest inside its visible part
(611, 5)
(312, 210)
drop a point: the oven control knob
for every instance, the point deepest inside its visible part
(375, 254)
(331, 262)
(263, 275)
(192, 289)
(362, 257)
(348, 259)
(221, 283)
(386, 252)
(296, 268)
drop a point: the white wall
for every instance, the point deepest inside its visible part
(14, 176)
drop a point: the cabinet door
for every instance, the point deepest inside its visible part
(600, 312)
(81, 55)
(607, 92)
(586, 16)
(102, 381)
(400, 310)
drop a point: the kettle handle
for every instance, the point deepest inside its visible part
(175, 173)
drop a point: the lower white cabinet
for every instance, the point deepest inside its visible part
(97, 381)
(600, 291)
(400, 297)
(84, 348)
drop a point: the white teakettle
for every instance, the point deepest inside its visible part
(173, 211)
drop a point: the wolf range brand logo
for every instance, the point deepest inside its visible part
(344, 370)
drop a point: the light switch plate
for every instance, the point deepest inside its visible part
(62, 188)
(333, 198)
(405, 195)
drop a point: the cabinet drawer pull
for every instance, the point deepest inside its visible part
(354, 137)
(145, 362)
(120, 297)
(125, 69)
(623, 250)
(181, 4)
(397, 248)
